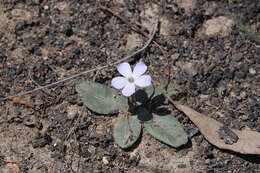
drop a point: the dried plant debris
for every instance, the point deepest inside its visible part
(241, 141)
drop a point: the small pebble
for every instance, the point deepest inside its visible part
(182, 165)
(190, 69)
(46, 7)
(208, 161)
(252, 71)
(237, 57)
(60, 166)
(105, 161)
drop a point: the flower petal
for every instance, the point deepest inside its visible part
(119, 82)
(143, 81)
(140, 68)
(125, 69)
(129, 89)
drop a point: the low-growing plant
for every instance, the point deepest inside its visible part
(141, 105)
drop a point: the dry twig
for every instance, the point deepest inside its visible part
(135, 27)
(246, 141)
(127, 58)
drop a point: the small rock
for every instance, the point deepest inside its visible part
(227, 162)
(56, 156)
(243, 117)
(67, 29)
(6, 170)
(46, 7)
(72, 111)
(240, 75)
(61, 118)
(237, 57)
(29, 121)
(188, 5)
(210, 11)
(97, 167)
(222, 90)
(41, 141)
(192, 131)
(190, 69)
(105, 161)
(210, 170)
(207, 161)
(242, 96)
(3, 57)
(198, 139)
(60, 166)
(214, 78)
(182, 165)
(252, 71)
(183, 152)
(200, 2)
(83, 151)
(221, 26)
(133, 41)
(192, 84)
(228, 73)
(175, 56)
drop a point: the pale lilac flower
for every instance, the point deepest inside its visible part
(131, 79)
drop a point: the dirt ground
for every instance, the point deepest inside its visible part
(215, 47)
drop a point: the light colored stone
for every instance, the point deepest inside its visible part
(133, 41)
(72, 111)
(165, 26)
(219, 26)
(188, 5)
(105, 161)
(62, 6)
(252, 71)
(46, 7)
(148, 16)
(21, 14)
(190, 69)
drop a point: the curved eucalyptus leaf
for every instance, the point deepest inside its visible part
(126, 131)
(167, 129)
(100, 98)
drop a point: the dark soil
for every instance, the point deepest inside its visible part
(43, 41)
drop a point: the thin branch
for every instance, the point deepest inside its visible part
(170, 99)
(91, 70)
(36, 83)
(135, 27)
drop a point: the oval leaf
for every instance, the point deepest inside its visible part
(143, 114)
(126, 131)
(167, 129)
(100, 98)
(144, 94)
(171, 90)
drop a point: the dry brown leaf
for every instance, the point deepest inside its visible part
(248, 141)
(19, 100)
(13, 166)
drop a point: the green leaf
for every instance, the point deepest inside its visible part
(126, 131)
(167, 129)
(144, 94)
(143, 114)
(171, 90)
(100, 98)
